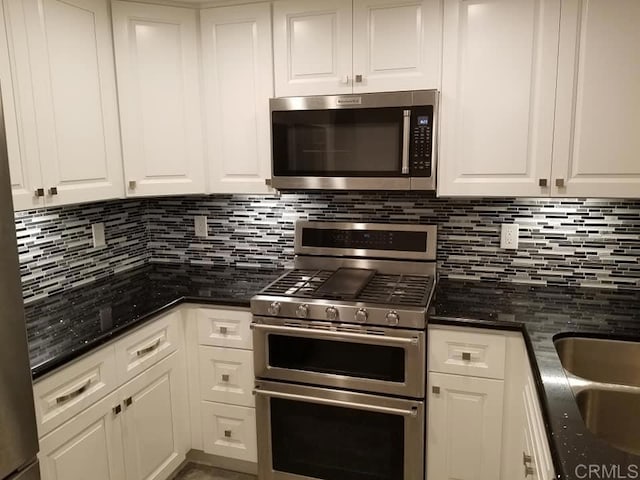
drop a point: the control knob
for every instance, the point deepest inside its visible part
(332, 313)
(274, 308)
(393, 318)
(303, 311)
(362, 315)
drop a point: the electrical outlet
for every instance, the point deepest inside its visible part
(509, 236)
(97, 230)
(200, 223)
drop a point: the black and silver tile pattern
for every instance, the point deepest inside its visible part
(56, 249)
(562, 242)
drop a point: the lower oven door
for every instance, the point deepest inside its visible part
(378, 360)
(317, 433)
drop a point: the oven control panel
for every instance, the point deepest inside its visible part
(421, 141)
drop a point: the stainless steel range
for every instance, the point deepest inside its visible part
(340, 354)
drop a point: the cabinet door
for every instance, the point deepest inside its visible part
(69, 47)
(498, 89)
(598, 109)
(238, 73)
(312, 47)
(22, 149)
(465, 427)
(87, 447)
(155, 420)
(396, 45)
(156, 50)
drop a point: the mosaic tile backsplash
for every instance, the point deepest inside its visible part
(593, 243)
(56, 250)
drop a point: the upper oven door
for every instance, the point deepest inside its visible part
(378, 360)
(375, 141)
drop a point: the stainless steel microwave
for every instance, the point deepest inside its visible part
(373, 141)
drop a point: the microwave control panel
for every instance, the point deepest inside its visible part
(421, 141)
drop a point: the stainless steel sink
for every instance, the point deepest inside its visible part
(601, 360)
(605, 378)
(612, 416)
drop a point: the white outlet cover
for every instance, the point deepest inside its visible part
(97, 230)
(200, 223)
(509, 236)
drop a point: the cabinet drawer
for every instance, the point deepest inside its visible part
(225, 328)
(229, 431)
(66, 393)
(147, 346)
(226, 375)
(470, 353)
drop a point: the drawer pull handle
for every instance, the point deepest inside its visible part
(466, 356)
(149, 349)
(74, 394)
(128, 402)
(227, 433)
(526, 459)
(117, 409)
(225, 377)
(435, 390)
(223, 330)
(528, 471)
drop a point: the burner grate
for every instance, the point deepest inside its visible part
(408, 290)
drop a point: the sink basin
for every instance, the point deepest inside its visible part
(601, 360)
(612, 416)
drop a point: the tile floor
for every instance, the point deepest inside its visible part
(194, 471)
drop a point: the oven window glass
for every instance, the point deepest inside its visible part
(347, 143)
(336, 443)
(340, 358)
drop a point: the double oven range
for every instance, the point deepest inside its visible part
(340, 354)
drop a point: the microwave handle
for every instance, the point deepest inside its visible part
(405, 141)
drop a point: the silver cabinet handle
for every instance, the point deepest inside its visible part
(132, 184)
(223, 330)
(227, 433)
(435, 390)
(144, 351)
(337, 403)
(225, 377)
(117, 409)
(543, 182)
(358, 78)
(39, 192)
(466, 356)
(53, 191)
(76, 393)
(128, 402)
(560, 182)
(344, 336)
(528, 471)
(406, 125)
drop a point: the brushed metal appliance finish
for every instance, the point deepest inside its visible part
(32, 472)
(18, 436)
(413, 344)
(612, 416)
(360, 101)
(601, 360)
(392, 267)
(412, 412)
(428, 254)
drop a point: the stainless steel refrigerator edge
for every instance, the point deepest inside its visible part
(18, 435)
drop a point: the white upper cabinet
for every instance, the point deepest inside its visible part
(498, 88)
(312, 47)
(596, 149)
(24, 165)
(339, 46)
(396, 44)
(238, 79)
(156, 50)
(65, 102)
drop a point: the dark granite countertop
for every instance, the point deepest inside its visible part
(69, 324)
(542, 314)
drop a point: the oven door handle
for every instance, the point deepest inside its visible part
(406, 126)
(337, 403)
(312, 333)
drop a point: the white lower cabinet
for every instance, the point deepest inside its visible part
(485, 420)
(87, 447)
(230, 431)
(465, 427)
(139, 431)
